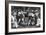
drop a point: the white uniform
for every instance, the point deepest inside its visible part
(14, 21)
(38, 22)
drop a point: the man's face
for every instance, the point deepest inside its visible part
(36, 14)
(14, 13)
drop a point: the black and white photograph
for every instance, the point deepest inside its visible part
(25, 17)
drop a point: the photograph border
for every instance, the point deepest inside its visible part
(6, 16)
